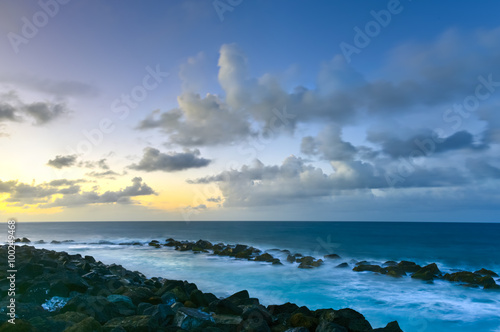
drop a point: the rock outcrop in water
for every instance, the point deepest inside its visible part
(57, 291)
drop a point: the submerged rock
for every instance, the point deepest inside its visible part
(427, 273)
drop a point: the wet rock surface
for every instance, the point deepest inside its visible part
(99, 297)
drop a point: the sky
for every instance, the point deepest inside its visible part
(249, 110)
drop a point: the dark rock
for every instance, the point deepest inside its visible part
(395, 271)
(23, 240)
(287, 308)
(362, 263)
(325, 326)
(225, 307)
(428, 272)
(190, 319)
(485, 272)
(409, 266)
(239, 296)
(371, 268)
(88, 324)
(198, 298)
(390, 263)
(137, 323)
(351, 319)
(342, 265)
(301, 320)
(257, 312)
(95, 306)
(391, 327)
(298, 329)
(163, 313)
(332, 256)
(265, 257)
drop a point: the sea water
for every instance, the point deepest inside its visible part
(417, 306)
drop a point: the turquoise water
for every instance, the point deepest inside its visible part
(418, 306)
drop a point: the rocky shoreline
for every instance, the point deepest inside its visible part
(56, 291)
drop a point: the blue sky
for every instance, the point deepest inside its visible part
(250, 110)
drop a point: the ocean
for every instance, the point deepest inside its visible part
(418, 306)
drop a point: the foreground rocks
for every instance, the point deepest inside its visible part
(57, 291)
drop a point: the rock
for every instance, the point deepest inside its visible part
(265, 257)
(163, 313)
(20, 326)
(351, 319)
(298, 329)
(95, 306)
(391, 327)
(225, 307)
(23, 240)
(389, 263)
(362, 263)
(136, 323)
(123, 303)
(257, 312)
(332, 256)
(198, 298)
(485, 272)
(227, 322)
(287, 308)
(325, 326)
(409, 266)
(395, 271)
(301, 320)
(89, 324)
(290, 259)
(428, 272)
(342, 265)
(190, 319)
(371, 268)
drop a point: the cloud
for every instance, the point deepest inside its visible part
(13, 109)
(294, 180)
(62, 161)
(109, 174)
(154, 160)
(214, 199)
(426, 141)
(45, 112)
(329, 145)
(200, 121)
(63, 192)
(102, 164)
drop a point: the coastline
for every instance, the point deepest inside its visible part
(82, 294)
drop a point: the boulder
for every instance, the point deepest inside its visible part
(88, 324)
(342, 265)
(190, 319)
(371, 268)
(391, 327)
(351, 319)
(301, 320)
(325, 326)
(485, 272)
(265, 257)
(409, 266)
(332, 256)
(428, 272)
(138, 323)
